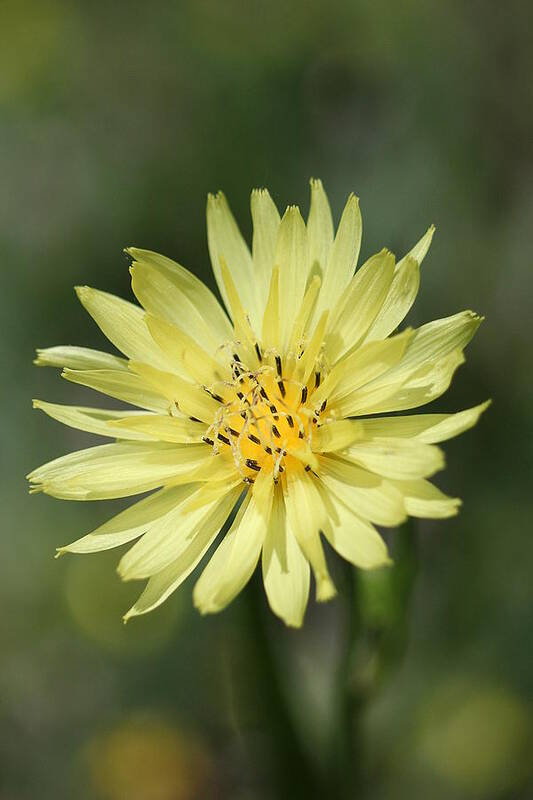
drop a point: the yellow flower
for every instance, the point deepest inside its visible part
(282, 408)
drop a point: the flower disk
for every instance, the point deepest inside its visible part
(275, 420)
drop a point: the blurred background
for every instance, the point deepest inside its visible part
(116, 119)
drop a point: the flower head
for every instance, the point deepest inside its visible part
(280, 412)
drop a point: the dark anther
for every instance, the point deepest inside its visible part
(276, 432)
(254, 438)
(317, 379)
(304, 394)
(252, 464)
(240, 395)
(195, 419)
(281, 387)
(263, 394)
(224, 438)
(236, 357)
(308, 467)
(281, 469)
(233, 431)
(323, 406)
(290, 421)
(244, 415)
(248, 480)
(207, 440)
(268, 450)
(300, 434)
(273, 408)
(278, 365)
(258, 351)
(216, 397)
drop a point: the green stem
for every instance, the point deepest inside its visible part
(295, 774)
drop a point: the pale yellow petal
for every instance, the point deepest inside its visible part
(428, 428)
(160, 586)
(168, 290)
(359, 305)
(336, 435)
(342, 258)
(371, 496)
(354, 372)
(123, 323)
(266, 219)
(271, 328)
(400, 297)
(93, 420)
(121, 385)
(68, 356)
(180, 430)
(236, 558)
(130, 523)
(423, 499)
(181, 350)
(419, 251)
(170, 536)
(354, 538)
(425, 385)
(396, 458)
(285, 568)
(292, 258)
(244, 334)
(191, 400)
(118, 470)
(307, 515)
(319, 229)
(225, 242)
(403, 290)
(437, 339)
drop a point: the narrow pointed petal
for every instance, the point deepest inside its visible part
(319, 229)
(342, 259)
(285, 568)
(423, 499)
(68, 356)
(161, 586)
(266, 219)
(118, 470)
(170, 536)
(92, 420)
(130, 523)
(180, 430)
(168, 290)
(292, 258)
(337, 435)
(359, 305)
(121, 385)
(233, 563)
(225, 242)
(191, 400)
(355, 371)
(307, 515)
(375, 498)
(182, 350)
(396, 305)
(396, 458)
(428, 428)
(271, 327)
(123, 323)
(354, 538)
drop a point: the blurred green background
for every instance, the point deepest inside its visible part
(116, 119)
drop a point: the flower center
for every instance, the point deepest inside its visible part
(265, 417)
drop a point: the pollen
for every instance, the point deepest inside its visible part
(265, 417)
